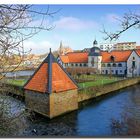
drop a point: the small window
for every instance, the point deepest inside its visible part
(103, 65)
(80, 65)
(76, 65)
(71, 64)
(133, 64)
(120, 71)
(119, 65)
(85, 65)
(114, 65)
(102, 70)
(112, 71)
(108, 65)
(133, 58)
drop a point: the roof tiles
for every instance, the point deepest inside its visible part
(60, 80)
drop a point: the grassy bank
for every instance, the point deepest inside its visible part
(96, 80)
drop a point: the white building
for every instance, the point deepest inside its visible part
(116, 62)
(106, 46)
(125, 46)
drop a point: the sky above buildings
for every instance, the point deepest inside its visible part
(78, 25)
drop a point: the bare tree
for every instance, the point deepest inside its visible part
(127, 21)
(17, 24)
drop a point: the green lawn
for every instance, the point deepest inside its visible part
(97, 80)
(18, 82)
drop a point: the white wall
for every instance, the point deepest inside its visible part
(120, 70)
(97, 62)
(129, 64)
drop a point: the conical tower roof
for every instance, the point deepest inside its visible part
(50, 77)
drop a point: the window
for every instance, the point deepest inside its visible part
(108, 65)
(133, 64)
(85, 65)
(103, 65)
(80, 65)
(116, 72)
(114, 65)
(71, 64)
(106, 72)
(112, 71)
(76, 65)
(119, 65)
(120, 71)
(102, 70)
(133, 58)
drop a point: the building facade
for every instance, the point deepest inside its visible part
(115, 62)
(125, 46)
(106, 46)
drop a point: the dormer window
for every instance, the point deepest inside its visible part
(112, 58)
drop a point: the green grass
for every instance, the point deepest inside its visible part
(97, 80)
(17, 82)
(96, 83)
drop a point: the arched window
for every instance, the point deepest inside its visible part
(119, 65)
(108, 65)
(103, 65)
(85, 64)
(133, 58)
(114, 65)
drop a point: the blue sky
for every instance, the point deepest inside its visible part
(78, 25)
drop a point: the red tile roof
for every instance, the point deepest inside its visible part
(137, 47)
(75, 57)
(120, 56)
(82, 57)
(64, 58)
(138, 52)
(39, 80)
(60, 82)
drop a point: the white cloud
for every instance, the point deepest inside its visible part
(112, 17)
(72, 23)
(39, 47)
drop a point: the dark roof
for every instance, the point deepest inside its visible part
(94, 51)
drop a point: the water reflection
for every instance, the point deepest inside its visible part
(117, 114)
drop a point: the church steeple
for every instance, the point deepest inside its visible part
(61, 48)
(61, 44)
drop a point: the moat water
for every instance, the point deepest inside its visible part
(117, 114)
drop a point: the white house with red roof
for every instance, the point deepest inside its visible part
(115, 62)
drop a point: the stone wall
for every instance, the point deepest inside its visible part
(63, 102)
(51, 105)
(92, 92)
(38, 102)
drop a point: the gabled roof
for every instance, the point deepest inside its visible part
(138, 52)
(75, 57)
(50, 77)
(120, 56)
(82, 57)
(64, 58)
